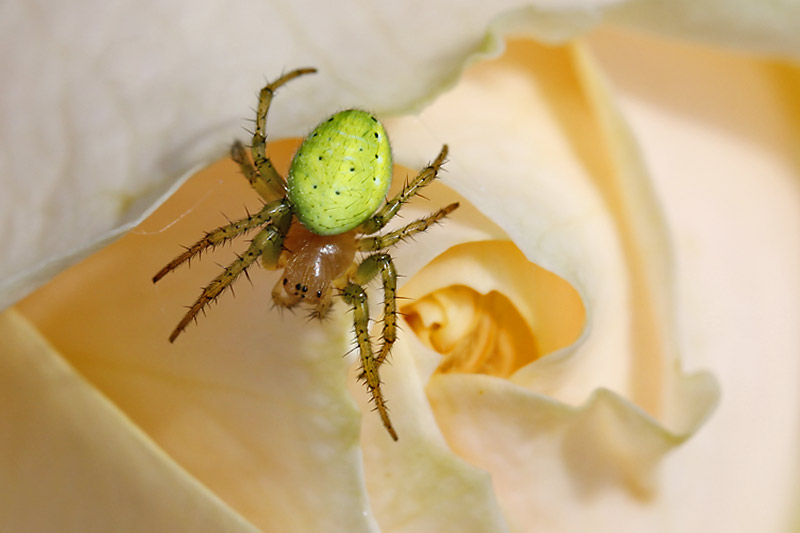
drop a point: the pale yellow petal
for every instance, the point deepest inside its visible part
(418, 483)
(72, 461)
(558, 170)
(253, 405)
(277, 432)
(723, 150)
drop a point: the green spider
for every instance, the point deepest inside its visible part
(313, 224)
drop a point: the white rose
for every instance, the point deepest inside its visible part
(562, 403)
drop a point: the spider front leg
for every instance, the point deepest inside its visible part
(268, 179)
(355, 296)
(267, 244)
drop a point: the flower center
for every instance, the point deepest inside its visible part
(486, 309)
(476, 333)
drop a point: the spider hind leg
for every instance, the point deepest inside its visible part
(355, 296)
(368, 269)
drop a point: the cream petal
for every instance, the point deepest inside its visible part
(70, 460)
(105, 106)
(417, 483)
(551, 308)
(251, 404)
(272, 411)
(723, 150)
(573, 204)
(558, 170)
(766, 27)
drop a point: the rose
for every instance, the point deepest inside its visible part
(213, 420)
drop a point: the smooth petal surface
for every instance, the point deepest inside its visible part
(542, 225)
(723, 150)
(72, 461)
(765, 27)
(576, 202)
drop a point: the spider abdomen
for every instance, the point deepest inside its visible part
(341, 173)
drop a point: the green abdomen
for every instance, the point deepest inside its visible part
(341, 173)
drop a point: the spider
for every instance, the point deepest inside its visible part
(311, 225)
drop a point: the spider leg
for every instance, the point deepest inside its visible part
(267, 242)
(379, 242)
(377, 221)
(355, 296)
(269, 176)
(257, 182)
(269, 214)
(367, 270)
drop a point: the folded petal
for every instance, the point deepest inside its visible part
(71, 460)
(719, 131)
(251, 404)
(558, 170)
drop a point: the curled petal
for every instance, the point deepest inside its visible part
(65, 477)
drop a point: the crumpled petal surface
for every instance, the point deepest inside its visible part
(723, 154)
(65, 476)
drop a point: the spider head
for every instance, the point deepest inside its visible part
(313, 262)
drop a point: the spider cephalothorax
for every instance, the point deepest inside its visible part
(313, 224)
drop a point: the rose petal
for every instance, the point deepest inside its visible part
(59, 476)
(766, 27)
(417, 483)
(106, 105)
(252, 404)
(263, 394)
(558, 171)
(59, 226)
(723, 150)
